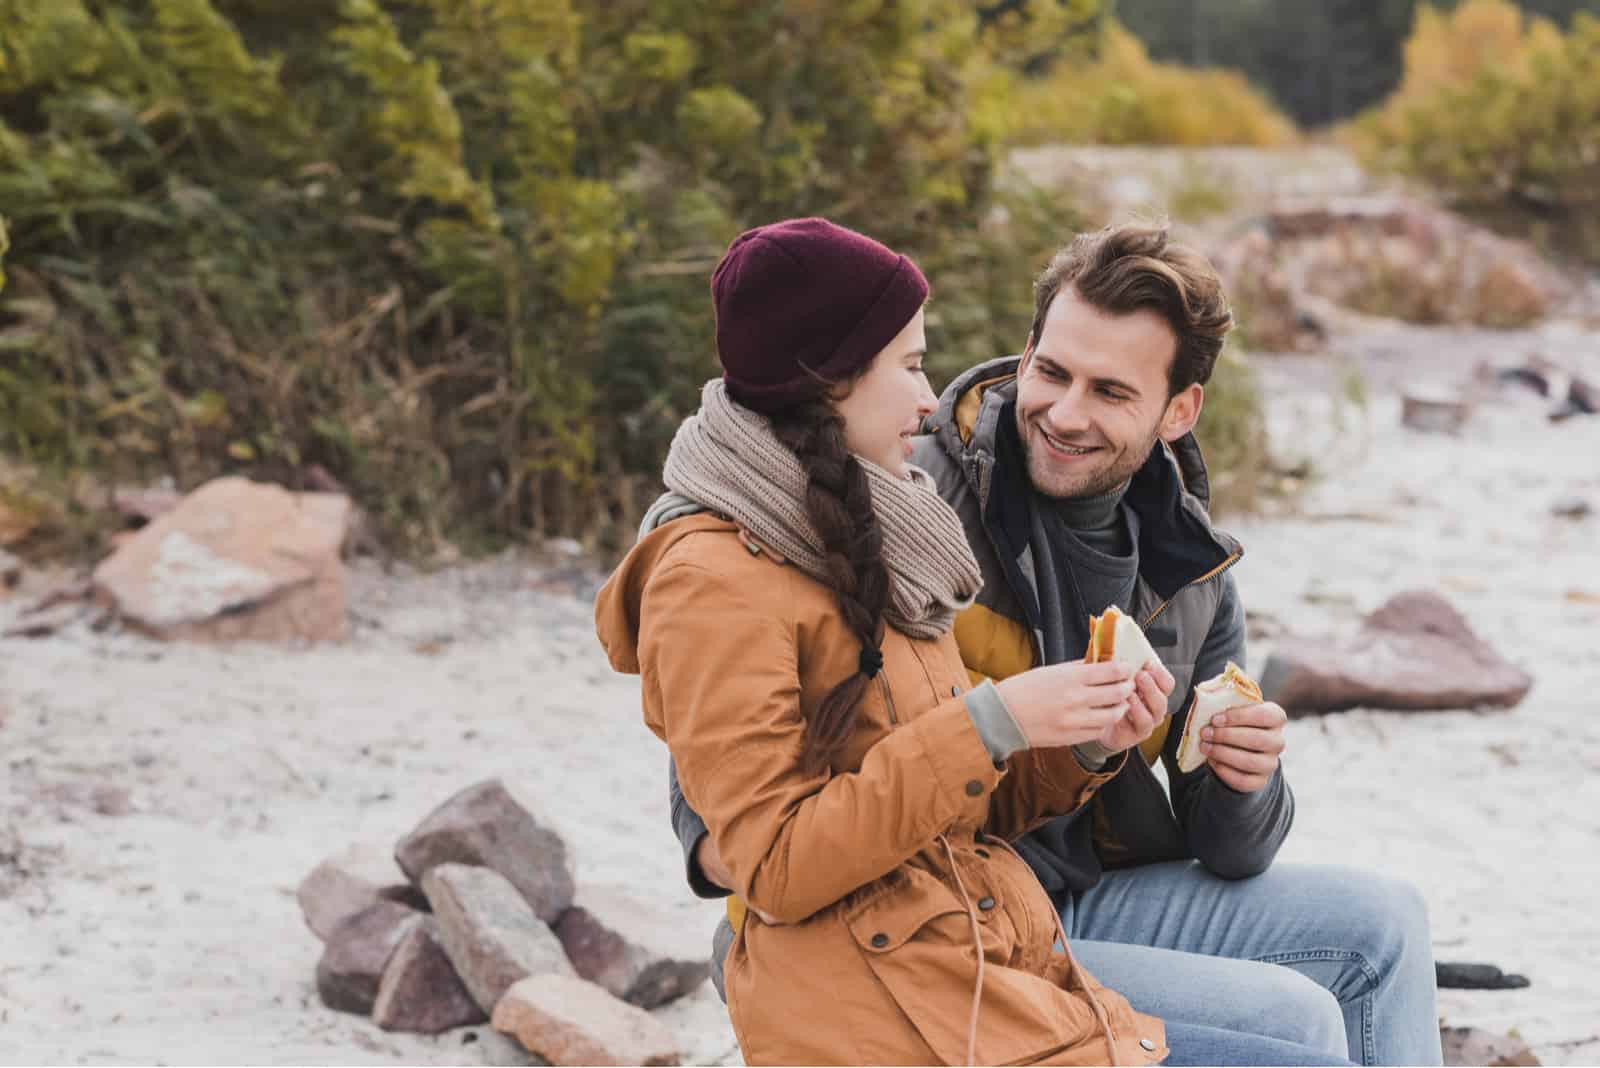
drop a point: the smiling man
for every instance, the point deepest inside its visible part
(1080, 485)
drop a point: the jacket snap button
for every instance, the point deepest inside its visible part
(986, 904)
(881, 940)
(1147, 1045)
(974, 788)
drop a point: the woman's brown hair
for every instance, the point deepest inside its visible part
(839, 504)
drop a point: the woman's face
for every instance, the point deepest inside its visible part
(886, 405)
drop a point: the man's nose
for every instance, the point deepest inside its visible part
(1069, 412)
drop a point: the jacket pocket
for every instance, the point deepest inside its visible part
(918, 942)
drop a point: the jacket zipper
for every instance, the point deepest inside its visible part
(1213, 573)
(994, 546)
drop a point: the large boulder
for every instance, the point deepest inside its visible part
(234, 560)
(484, 825)
(1415, 653)
(569, 1021)
(631, 949)
(488, 931)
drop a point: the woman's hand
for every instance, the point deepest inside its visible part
(1066, 704)
(1146, 708)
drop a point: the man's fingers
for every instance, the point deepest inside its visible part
(1252, 738)
(1267, 714)
(1243, 760)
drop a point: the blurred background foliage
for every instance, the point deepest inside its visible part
(455, 252)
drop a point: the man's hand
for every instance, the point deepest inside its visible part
(710, 860)
(1146, 708)
(1243, 745)
(1065, 704)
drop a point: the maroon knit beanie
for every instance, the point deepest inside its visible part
(806, 294)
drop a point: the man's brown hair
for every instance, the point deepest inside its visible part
(1124, 268)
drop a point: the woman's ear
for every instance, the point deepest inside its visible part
(1183, 412)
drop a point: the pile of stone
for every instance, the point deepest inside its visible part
(476, 917)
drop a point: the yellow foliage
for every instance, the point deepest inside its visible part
(1494, 108)
(1125, 97)
(1452, 48)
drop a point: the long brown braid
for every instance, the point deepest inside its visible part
(839, 503)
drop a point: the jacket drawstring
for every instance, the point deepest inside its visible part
(1074, 968)
(977, 945)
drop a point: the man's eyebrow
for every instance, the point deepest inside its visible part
(1052, 365)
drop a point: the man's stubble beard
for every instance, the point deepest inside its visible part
(1098, 484)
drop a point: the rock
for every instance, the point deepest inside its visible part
(346, 883)
(1571, 508)
(1433, 411)
(489, 932)
(10, 573)
(632, 950)
(1468, 1045)
(1414, 653)
(421, 992)
(571, 1021)
(484, 825)
(356, 953)
(1460, 976)
(1509, 296)
(234, 560)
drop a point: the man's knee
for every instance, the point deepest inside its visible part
(1393, 913)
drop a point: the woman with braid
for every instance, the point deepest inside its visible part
(792, 631)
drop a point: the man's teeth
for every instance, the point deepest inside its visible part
(1073, 449)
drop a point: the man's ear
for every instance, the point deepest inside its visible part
(1183, 412)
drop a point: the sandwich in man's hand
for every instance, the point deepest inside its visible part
(1231, 689)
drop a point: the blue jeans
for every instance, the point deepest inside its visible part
(1334, 959)
(1193, 1044)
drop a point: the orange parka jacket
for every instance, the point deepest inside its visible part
(883, 872)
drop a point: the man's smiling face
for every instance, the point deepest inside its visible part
(1092, 396)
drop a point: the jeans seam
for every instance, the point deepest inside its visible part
(1369, 1041)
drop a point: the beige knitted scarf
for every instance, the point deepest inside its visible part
(726, 458)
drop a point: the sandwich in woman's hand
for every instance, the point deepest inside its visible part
(1114, 636)
(1231, 689)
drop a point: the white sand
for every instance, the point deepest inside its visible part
(170, 933)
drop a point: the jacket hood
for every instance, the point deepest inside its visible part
(616, 606)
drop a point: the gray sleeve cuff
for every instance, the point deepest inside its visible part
(690, 829)
(1092, 756)
(1000, 733)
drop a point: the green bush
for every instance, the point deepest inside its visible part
(455, 252)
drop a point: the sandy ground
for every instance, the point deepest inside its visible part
(160, 803)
